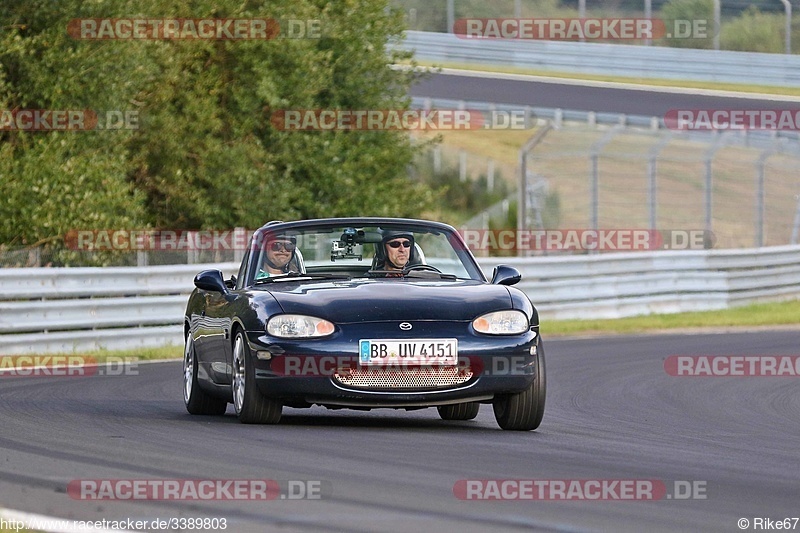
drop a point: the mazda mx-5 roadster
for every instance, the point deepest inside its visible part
(363, 313)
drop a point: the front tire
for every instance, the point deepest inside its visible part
(459, 411)
(524, 410)
(251, 407)
(197, 401)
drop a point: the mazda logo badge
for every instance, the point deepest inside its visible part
(405, 326)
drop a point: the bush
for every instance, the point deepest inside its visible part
(754, 31)
(689, 10)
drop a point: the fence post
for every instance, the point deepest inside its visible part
(788, 40)
(35, 257)
(192, 254)
(760, 165)
(522, 208)
(239, 244)
(709, 193)
(451, 15)
(594, 157)
(652, 175)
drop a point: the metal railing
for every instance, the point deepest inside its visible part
(48, 310)
(650, 62)
(54, 310)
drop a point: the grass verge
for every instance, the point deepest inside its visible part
(105, 356)
(751, 316)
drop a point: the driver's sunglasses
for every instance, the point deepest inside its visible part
(277, 246)
(398, 244)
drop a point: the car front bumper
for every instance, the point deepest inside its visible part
(312, 371)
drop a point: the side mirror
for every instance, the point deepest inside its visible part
(210, 280)
(231, 283)
(505, 275)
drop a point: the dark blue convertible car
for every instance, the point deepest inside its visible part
(363, 313)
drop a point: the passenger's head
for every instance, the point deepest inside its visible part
(280, 250)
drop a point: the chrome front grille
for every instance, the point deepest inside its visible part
(403, 378)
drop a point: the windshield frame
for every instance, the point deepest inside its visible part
(264, 233)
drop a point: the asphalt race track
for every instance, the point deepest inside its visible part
(584, 96)
(613, 413)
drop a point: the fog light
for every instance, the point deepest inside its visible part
(263, 354)
(533, 350)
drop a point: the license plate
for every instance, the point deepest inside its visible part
(408, 351)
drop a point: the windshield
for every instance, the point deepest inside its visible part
(362, 251)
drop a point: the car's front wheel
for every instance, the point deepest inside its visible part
(524, 410)
(251, 407)
(198, 402)
(459, 411)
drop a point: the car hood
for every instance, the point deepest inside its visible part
(379, 300)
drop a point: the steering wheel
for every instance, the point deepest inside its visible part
(422, 267)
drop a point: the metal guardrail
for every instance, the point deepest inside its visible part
(63, 310)
(627, 284)
(556, 115)
(48, 310)
(648, 62)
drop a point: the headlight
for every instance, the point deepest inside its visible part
(298, 327)
(511, 322)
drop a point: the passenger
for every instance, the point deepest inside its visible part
(280, 255)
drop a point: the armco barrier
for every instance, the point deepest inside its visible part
(47, 310)
(634, 283)
(53, 310)
(609, 59)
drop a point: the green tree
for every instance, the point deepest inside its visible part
(754, 31)
(205, 153)
(51, 183)
(689, 10)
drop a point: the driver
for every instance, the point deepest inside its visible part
(397, 247)
(280, 251)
